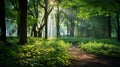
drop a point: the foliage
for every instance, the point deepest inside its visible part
(36, 53)
(100, 48)
(75, 40)
(78, 40)
(104, 47)
(89, 8)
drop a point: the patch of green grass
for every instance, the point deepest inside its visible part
(101, 48)
(36, 53)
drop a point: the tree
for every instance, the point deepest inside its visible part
(46, 18)
(23, 21)
(33, 11)
(2, 21)
(71, 16)
(108, 19)
(118, 26)
(58, 20)
(91, 8)
(16, 7)
(117, 10)
(48, 6)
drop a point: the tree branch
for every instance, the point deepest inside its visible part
(49, 11)
(30, 12)
(41, 5)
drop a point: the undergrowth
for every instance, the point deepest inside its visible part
(77, 40)
(36, 53)
(102, 49)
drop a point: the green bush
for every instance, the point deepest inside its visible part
(36, 53)
(77, 40)
(104, 49)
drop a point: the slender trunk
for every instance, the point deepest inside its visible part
(78, 30)
(72, 29)
(46, 19)
(88, 32)
(40, 34)
(18, 13)
(34, 31)
(68, 29)
(118, 26)
(58, 21)
(46, 27)
(2, 21)
(18, 24)
(40, 30)
(109, 26)
(23, 21)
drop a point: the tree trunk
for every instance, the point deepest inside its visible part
(2, 21)
(18, 24)
(109, 31)
(15, 4)
(88, 33)
(78, 29)
(72, 29)
(68, 29)
(40, 30)
(58, 21)
(118, 27)
(34, 31)
(46, 19)
(40, 34)
(23, 21)
(46, 27)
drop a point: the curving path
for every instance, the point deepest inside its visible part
(80, 58)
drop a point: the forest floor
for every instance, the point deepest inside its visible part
(83, 59)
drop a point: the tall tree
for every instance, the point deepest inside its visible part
(46, 18)
(109, 26)
(118, 26)
(48, 6)
(2, 21)
(33, 11)
(72, 25)
(16, 7)
(117, 10)
(23, 21)
(58, 20)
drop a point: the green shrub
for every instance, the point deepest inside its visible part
(109, 50)
(77, 40)
(36, 53)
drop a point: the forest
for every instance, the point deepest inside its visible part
(59, 33)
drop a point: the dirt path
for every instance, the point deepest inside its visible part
(83, 59)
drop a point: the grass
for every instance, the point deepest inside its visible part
(36, 53)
